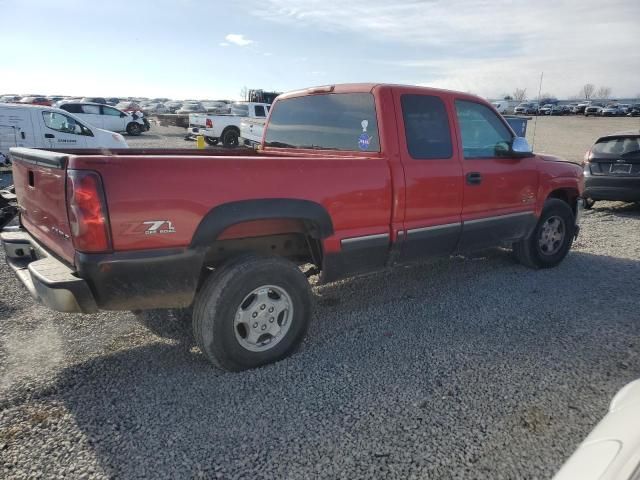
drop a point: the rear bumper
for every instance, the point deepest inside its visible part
(47, 279)
(136, 280)
(602, 187)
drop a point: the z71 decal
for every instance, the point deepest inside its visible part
(150, 227)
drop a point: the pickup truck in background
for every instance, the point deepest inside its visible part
(224, 128)
(350, 179)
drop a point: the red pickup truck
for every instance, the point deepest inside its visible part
(349, 178)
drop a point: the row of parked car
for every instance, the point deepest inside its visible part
(585, 108)
(152, 106)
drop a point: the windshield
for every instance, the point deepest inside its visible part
(618, 146)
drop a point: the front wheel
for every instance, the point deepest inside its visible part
(251, 312)
(134, 129)
(551, 240)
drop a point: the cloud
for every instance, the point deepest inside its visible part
(238, 39)
(487, 46)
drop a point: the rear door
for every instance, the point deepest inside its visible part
(433, 174)
(91, 115)
(16, 129)
(59, 130)
(499, 191)
(112, 119)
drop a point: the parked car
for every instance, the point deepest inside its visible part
(217, 107)
(154, 109)
(99, 100)
(228, 233)
(579, 108)
(191, 107)
(173, 107)
(624, 108)
(10, 98)
(559, 110)
(593, 109)
(634, 110)
(526, 108)
(35, 101)
(612, 110)
(113, 101)
(36, 126)
(545, 109)
(502, 106)
(128, 107)
(610, 452)
(612, 169)
(225, 129)
(107, 117)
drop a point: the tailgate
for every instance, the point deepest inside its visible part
(197, 120)
(40, 181)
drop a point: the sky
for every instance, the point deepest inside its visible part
(212, 49)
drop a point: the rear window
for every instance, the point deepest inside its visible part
(337, 121)
(618, 146)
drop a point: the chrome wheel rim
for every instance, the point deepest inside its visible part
(263, 318)
(552, 235)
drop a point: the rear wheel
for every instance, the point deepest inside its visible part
(230, 138)
(134, 129)
(251, 312)
(551, 240)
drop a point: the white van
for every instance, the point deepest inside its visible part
(47, 127)
(504, 106)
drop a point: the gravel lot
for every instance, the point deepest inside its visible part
(467, 368)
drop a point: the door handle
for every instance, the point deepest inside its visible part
(474, 178)
(49, 135)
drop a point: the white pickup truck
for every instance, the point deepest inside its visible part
(225, 129)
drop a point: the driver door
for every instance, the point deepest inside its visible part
(499, 191)
(62, 131)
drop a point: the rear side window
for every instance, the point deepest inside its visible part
(110, 111)
(260, 111)
(484, 135)
(91, 109)
(337, 121)
(619, 146)
(426, 127)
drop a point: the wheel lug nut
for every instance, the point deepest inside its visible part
(255, 325)
(264, 327)
(271, 319)
(271, 310)
(262, 307)
(254, 314)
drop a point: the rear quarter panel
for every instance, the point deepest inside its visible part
(356, 192)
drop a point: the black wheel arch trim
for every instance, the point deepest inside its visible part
(226, 215)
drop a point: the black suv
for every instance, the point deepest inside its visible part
(612, 169)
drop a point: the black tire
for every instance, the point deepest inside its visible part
(173, 323)
(589, 203)
(211, 141)
(528, 250)
(134, 129)
(230, 137)
(223, 295)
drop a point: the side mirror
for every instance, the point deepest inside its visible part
(520, 148)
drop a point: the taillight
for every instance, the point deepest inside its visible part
(587, 157)
(87, 211)
(209, 123)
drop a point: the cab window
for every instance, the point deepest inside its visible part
(484, 135)
(259, 111)
(91, 109)
(426, 127)
(64, 124)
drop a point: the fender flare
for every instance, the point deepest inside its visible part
(224, 216)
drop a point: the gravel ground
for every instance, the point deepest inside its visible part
(464, 368)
